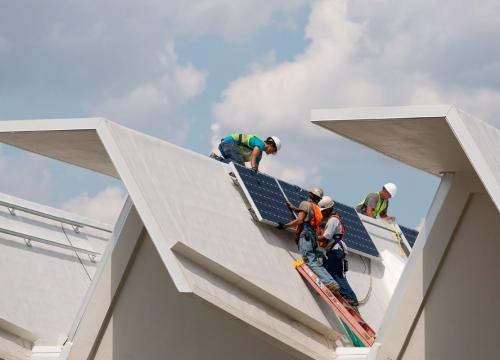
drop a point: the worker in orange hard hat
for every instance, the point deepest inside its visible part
(376, 204)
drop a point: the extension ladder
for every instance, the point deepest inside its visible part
(348, 314)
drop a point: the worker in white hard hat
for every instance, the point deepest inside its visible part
(331, 239)
(307, 225)
(376, 204)
(242, 148)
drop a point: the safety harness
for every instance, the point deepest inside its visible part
(336, 237)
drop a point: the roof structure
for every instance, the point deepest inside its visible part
(436, 139)
(188, 273)
(444, 306)
(200, 230)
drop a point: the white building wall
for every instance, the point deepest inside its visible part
(152, 320)
(43, 285)
(460, 318)
(375, 280)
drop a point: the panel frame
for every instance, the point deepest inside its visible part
(255, 210)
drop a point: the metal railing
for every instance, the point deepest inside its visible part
(75, 224)
(29, 238)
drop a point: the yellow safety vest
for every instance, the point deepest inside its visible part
(381, 205)
(243, 141)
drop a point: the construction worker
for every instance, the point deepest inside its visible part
(242, 148)
(307, 224)
(331, 239)
(376, 204)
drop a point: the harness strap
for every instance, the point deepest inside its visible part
(241, 143)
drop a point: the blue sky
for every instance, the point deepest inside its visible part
(190, 72)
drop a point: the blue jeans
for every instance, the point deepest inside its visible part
(307, 248)
(334, 265)
(231, 152)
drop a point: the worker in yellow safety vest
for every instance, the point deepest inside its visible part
(376, 204)
(242, 148)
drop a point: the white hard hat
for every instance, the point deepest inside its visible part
(326, 203)
(316, 190)
(276, 142)
(391, 189)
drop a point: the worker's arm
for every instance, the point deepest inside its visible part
(298, 221)
(369, 211)
(291, 207)
(253, 159)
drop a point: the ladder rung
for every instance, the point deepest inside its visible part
(346, 312)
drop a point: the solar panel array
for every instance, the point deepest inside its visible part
(270, 204)
(410, 234)
(265, 193)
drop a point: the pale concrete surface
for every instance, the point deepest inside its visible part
(460, 317)
(444, 305)
(151, 319)
(376, 278)
(201, 208)
(43, 285)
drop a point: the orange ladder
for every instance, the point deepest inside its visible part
(348, 314)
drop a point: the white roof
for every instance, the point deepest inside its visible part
(191, 210)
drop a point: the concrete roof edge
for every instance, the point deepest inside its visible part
(126, 174)
(474, 155)
(50, 124)
(380, 112)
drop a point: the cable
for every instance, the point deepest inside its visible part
(76, 252)
(368, 293)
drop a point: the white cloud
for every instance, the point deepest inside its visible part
(105, 206)
(360, 54)
(157, 100)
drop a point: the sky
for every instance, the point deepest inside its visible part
(191, 72)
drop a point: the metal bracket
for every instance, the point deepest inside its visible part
(92, 258)
(12, 211)
(28, 243)
(76, 228)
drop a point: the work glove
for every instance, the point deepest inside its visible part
(280, 226)
(255, 170)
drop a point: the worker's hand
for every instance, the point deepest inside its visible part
(289, 205)
(390, 218)
(255, 169)
(280, 226)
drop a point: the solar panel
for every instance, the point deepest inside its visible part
(410, 234)
(263, 192)
(356, 236)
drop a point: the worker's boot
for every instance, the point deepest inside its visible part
(333, 287)
(353, 302)
(216, 157)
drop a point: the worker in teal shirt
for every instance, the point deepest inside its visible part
(242, 148)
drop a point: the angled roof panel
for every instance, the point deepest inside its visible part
(436, 139)
(72, 141)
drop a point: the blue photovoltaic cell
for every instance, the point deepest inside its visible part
(295, 194)
(410, 234)
(356, 236)
(266, 195)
